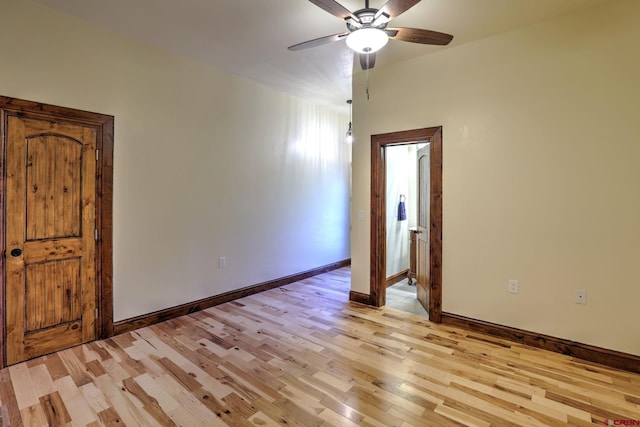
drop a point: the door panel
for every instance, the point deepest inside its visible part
(50, 222)
(53, 195)
(422, 246)
(58, 283)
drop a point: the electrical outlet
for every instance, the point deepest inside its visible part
(222, 262)
(581, 296)
(513, 286)
(361, 215)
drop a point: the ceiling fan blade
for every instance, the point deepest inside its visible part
(335, 8)
(394, 8)
(318, 42)
(417, 35)
(367, 60)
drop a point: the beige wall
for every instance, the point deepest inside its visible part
(206, 164)
(541, 168)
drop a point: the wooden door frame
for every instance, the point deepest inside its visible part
(378, 256)
(104, 125)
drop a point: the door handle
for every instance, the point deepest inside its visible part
(16, 252)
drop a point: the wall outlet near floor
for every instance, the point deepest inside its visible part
(513, 286)
(581, 296)
(222, 262)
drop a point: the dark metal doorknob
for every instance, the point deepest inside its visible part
(16, 252)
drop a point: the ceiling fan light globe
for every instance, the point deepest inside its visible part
(367, 40)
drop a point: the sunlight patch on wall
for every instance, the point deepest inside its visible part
(316, 135)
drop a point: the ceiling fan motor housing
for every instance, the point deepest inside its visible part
(366, 17)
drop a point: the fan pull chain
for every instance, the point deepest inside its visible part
(367, 88)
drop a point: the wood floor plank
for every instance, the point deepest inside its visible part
(109, 417)
(55, 366)
(94, 397)
(41, 380)
(303, 355)
(240, 405)
(226, 413)
(55, 410)
(124, 410)
(76, 368)
(23, 388)
(78, 408)
(150, 404)
(35, 416)
(333, 419)
(10, 410)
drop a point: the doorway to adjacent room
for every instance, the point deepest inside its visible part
(407, 219)
(429, 292)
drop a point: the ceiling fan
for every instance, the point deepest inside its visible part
(367, 29)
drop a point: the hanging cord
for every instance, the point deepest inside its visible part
(367, 89)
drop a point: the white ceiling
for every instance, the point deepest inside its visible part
(249, 38)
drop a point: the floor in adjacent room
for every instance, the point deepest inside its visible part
(402, 296)
(303, 355)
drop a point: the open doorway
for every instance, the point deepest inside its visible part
(431, 297)
(407, 213)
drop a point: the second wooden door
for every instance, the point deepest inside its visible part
(422, 244)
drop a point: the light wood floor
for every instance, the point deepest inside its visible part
(303, 355)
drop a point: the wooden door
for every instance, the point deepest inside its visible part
(422, 244)
(50, 202)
